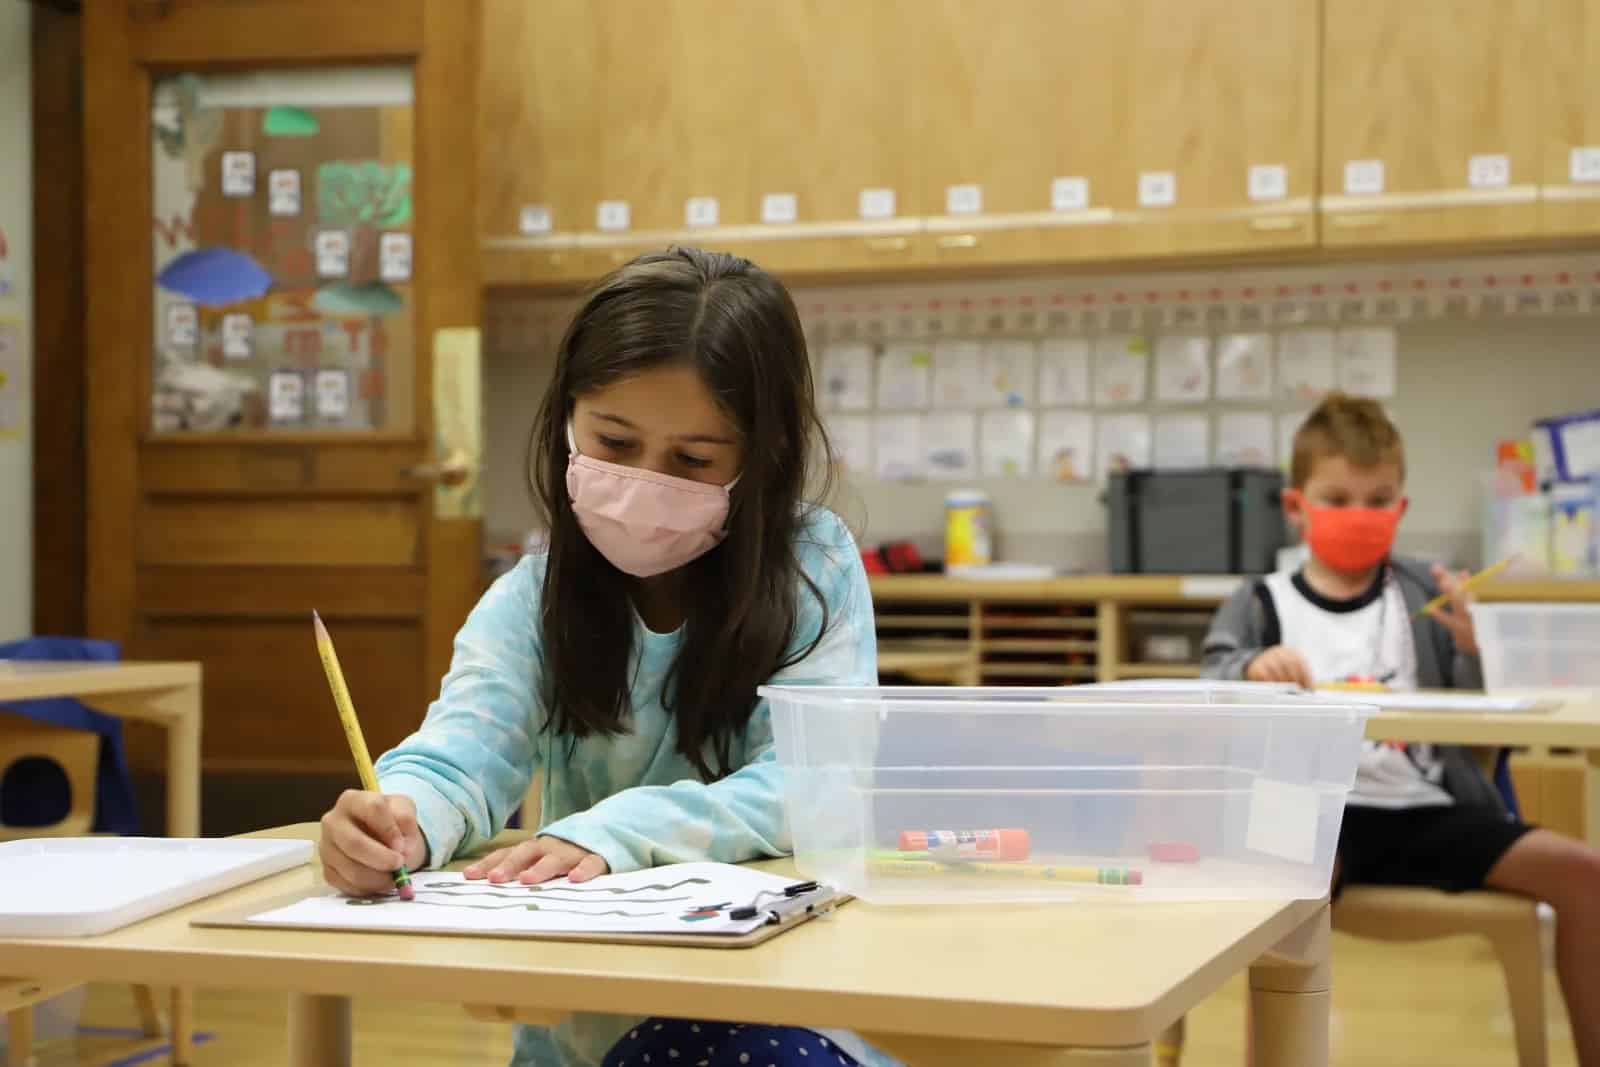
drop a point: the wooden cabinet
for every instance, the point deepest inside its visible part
(1571, 117)
(1431, 121)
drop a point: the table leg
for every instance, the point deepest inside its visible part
(182, 1025)
(1290, 999)
(940, 1052)
(319, 1031)
(183, 767)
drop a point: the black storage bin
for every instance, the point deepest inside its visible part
(1214, 521)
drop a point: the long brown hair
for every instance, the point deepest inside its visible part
(737, 326)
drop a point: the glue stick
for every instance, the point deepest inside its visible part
(967, 844)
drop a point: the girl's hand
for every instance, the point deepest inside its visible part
(365, 837)
(1454, 616)
(539, 860)
(1280, 663)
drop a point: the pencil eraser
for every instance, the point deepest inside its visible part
(407, 892)
(1173, 852)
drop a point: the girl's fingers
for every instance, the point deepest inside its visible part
(355, 842)
(551, 865)
(351, 877)
(591, 866)
(516, 861)
(480, 867)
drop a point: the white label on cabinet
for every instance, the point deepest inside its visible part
(286, 396)
(963, 199)
(333, 393)
(236, 331)
(1069, 194)
(701, 211)
(613, 215)
(534, 219)
(1363, 177)
(1158, 188)
(779, 208)
(238, 174)
(283, 193)
(877, 203)
(183, 325)
(333, 253)
(394, 257)
(1585, 163)
(1489, 171)
(1268, 181)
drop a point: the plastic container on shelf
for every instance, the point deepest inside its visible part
(1250, 782)
(1538, 648)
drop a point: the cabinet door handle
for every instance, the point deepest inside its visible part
(959, 240)
(1275, 224)
(887, 244)
(1357, 222)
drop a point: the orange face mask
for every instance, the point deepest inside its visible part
(1348, 539)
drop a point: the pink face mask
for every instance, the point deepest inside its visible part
(643, 522)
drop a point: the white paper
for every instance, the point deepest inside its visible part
(1005, 444)
(957, 374)
(1069, 194)
(1454, 702)
(1367, 360)
(286, 396)
(394, 257)
(701, 211)
(905, 372)
(1288, 425)
(949, 445)
(1121, 369)
(897, 447)
(779, 208)
(1183, 368)
(1182, 442)
(1363, 177)
(613, 215)
(283, 193)
(534, 219)
(963, 199)
(1244, 439)
(1064, 372)
(1306, 363)
(1244, 366)
(1489, 171)
(847, 377)
(238, 174)
(1268, 182)
(333, 253)
(685, 898)
(1583, 164)
(183, 325)
(1158, 188)
(333, 393)
(1066, 445)
(850, 437)
(877, 203)
(1008, 370)
(237, 329)
(1123, 442)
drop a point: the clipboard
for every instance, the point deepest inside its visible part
(780, 916)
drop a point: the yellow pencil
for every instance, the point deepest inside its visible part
(1482, 576)
(352, 733)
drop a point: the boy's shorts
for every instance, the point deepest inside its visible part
(1451, 848)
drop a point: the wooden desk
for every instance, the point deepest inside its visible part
(1078, 986)
(1574, 725)
(164, 693)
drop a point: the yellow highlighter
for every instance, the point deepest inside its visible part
(1471, 583)
(352, 734)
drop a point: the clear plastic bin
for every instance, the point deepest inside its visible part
(1141, 794)
(1538, 648)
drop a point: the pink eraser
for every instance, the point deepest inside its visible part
(1173, 852)
(407, 892)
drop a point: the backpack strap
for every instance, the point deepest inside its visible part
(1271, 628)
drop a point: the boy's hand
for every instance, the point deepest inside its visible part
(1454, 616)
(539, 860)
(1280, 663)
(365, 837)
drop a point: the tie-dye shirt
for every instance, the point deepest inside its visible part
(633, 799)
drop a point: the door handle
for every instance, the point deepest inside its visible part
(452, 471)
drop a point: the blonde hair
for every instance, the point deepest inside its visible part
(1350, 426)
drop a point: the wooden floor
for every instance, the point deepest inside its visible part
(1441, 1003)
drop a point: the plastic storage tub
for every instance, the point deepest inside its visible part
(1146, 794)
(1536, 648)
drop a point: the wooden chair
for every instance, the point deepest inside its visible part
(78, 755)
(1392, 913)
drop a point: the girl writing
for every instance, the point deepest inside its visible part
(683, 569)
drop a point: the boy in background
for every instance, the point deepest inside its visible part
(1420, 815)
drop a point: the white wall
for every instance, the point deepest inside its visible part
(16, 221)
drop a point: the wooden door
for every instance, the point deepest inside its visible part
(1110, 129)
(1570, 158)
(1431, 119)
(226, 502)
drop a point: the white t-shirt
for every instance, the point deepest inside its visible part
(1367, 637)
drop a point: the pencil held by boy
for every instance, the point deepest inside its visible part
(1419, 815)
